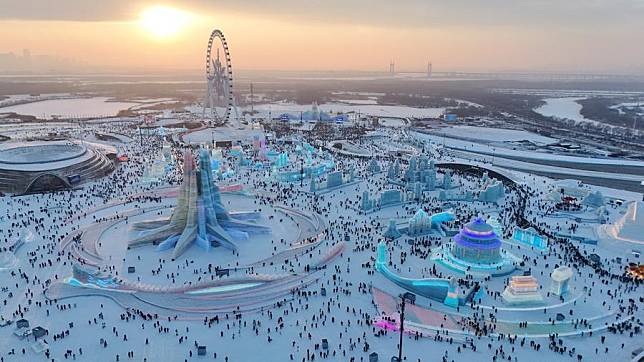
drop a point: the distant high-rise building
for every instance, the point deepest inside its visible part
(26, 59)
(251, 99)
(429, 69)
(392, 68)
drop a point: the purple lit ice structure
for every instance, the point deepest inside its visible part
(477, 243)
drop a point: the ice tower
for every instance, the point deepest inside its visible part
(199, 216)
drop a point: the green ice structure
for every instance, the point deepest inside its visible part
(199, 216)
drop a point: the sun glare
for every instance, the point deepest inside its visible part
(163, 22)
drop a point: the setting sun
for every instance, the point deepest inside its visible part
(163, 22)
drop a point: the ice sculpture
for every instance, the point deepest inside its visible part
(199, 216)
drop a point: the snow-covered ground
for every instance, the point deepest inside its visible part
(151, 104)
(569, 93)
(495, 134)
(358, 101)
(530, 154)
(638, 107)
(294, 327)
(276, 109)
(12, 99)
(529, 166)
(209, 135)
(391, 122)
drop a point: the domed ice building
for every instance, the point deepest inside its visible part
(476, 250)
(477, 243)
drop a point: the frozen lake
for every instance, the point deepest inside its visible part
(563, 108)
(73, 107)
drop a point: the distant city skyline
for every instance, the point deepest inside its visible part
(575, 36)
(25, 61)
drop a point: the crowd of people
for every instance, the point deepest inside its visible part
(309, 325)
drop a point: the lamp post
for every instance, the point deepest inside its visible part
(406, 297)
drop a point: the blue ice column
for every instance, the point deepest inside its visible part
(212, 228)
(381, 258)
(202, 234)
(168, 243)
(451, 299)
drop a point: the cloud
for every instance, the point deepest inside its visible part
(432, 13)
(66, 10)
(378, 13)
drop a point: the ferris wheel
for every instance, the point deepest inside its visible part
(220, 101)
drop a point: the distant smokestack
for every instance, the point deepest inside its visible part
(251, 99)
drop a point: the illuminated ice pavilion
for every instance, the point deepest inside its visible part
(477, 243)
(476, 251)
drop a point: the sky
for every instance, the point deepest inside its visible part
(574, 36)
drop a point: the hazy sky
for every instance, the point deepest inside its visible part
(468, 35)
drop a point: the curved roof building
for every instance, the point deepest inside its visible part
(477, 243)
(43, 166)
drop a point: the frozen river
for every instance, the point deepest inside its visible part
(72, 107)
